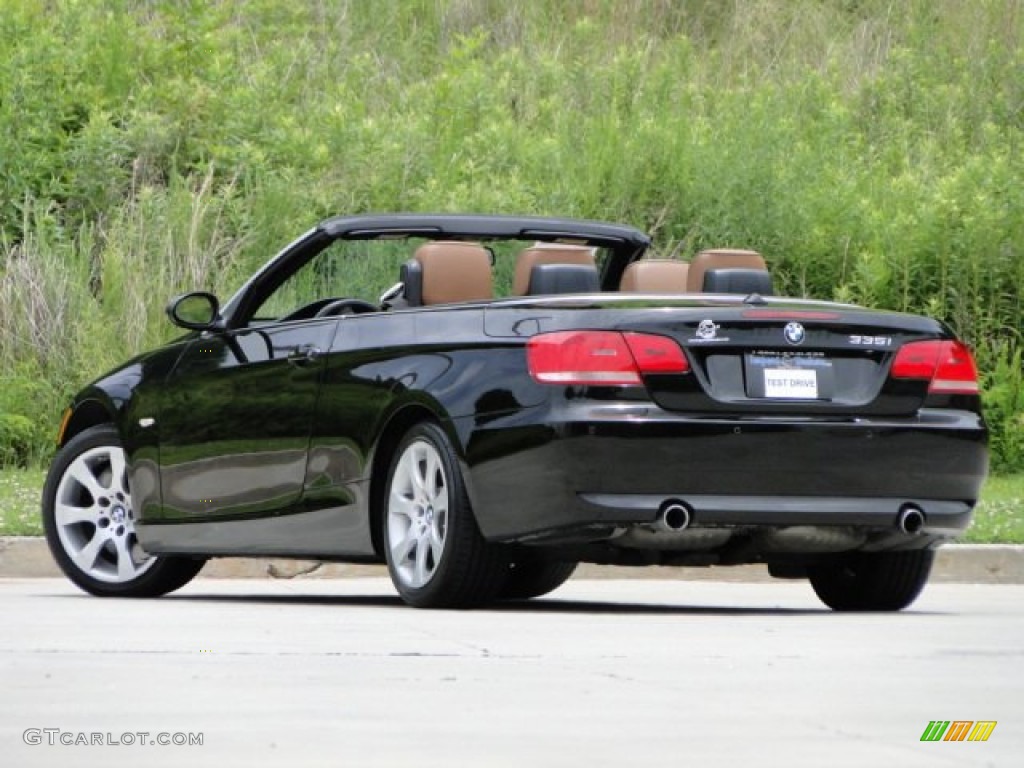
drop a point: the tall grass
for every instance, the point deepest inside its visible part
(871, 150)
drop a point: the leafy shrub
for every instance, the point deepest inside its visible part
(1004, 408)
(871, 150)
(27, 404)
(16, 439)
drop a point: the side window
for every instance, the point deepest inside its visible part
(365, 270)
(320, 278)
(354, 269)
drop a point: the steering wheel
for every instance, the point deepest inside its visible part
(346, 306)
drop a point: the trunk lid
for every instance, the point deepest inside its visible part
(791, 359)
(757, 355)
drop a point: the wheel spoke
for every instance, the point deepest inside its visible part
(419, 478)
(126, 568)
(422, 564)
(400, 504)
(139, 555)
(85, 558)
(430, 484)
(118, 481)
(68, 514)
(436, 541)
(440, 501)
(404, 482)
(82, 474)
(400, 551)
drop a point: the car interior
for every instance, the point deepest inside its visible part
(453, 271)
(443, 272)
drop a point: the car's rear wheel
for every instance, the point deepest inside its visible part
(872, 581)
(89, 520)
(436, 555)
(534, 573)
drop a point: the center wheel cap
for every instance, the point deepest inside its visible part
(117, 513)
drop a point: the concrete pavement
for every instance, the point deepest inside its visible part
(603, 673)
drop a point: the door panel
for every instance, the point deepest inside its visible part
(236, 418)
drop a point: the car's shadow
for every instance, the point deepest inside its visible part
(540, 605)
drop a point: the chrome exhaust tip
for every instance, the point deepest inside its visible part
(673, 516)
(911, 519)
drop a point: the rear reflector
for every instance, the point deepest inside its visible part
(601, 358)
(946, 365)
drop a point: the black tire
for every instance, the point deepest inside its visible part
(872, 581)
(107, 522)
(534, 573)
(464, 569)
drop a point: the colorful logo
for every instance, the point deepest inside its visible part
(958, 730)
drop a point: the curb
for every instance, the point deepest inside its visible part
(29, 557)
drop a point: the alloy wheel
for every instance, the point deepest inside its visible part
(418, 503)
(95, 520)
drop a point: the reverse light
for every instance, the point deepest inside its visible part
(601, 358)
(947, 366)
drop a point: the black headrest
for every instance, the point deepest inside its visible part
(738, 281)
(563, 278)
(411, 276)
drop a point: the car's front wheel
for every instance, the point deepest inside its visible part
(89, 520)
(436, 554)
(872, 581)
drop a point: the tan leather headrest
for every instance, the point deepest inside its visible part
(721, 258)
(454, 271)
(655, 276)
(547, 253)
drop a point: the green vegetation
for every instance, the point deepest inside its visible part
(999, 517)
(20, 490)
(871, 149)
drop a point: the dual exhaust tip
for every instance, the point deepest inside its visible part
(675, 516)
(911, 519)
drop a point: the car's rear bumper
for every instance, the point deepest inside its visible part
(580, 466)
(945, 517)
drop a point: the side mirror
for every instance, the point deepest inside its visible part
(196, 311)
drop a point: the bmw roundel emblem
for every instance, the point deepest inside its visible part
(794, 333)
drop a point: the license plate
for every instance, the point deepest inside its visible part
(775, 376)
(791, 383)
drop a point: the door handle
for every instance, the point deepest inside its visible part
(305, 354)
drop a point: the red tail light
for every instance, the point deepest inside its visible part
(656, 354)
(946, 365)
(601, 358)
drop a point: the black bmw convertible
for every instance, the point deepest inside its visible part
(520, 395)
